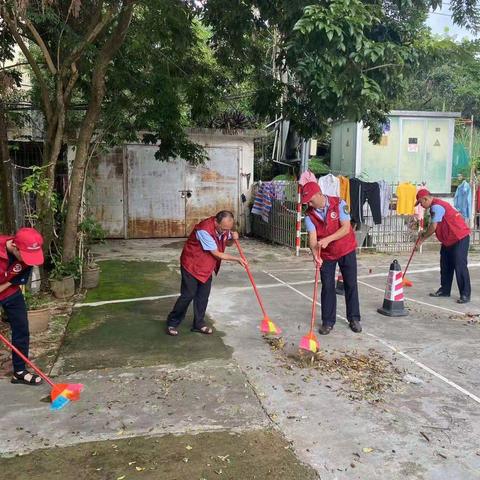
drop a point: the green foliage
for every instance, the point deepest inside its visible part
(93, 231)
(36, 301)
(61, 270)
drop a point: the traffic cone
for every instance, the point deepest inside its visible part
(339, 288)
(393, 300)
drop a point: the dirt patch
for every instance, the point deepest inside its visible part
(471, 318)
(207, 456)
(361, 376)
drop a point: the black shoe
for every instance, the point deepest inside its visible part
(355, 326)
(463, 299)
(325, 329)
(439, 293)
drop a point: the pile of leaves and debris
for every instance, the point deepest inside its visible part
(363, 376)
(471, 318)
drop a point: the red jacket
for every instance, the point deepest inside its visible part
(194, 259)
(338, 248)
(452, 228)
(9, 270)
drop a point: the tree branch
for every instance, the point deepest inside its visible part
(381, 66)
(28, 55)
(42, 45)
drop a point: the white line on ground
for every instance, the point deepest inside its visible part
(396, 350)
(124, 300)
(417, 301)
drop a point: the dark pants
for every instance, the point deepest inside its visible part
(348, 268)
(191, 289)
(16, 310)
(454, 259)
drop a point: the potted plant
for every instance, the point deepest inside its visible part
(39, 311)
(62, 277)
(90, 273)
(92, 233)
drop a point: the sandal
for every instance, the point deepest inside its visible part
(172, 331)
(26, 378)
(205, 330)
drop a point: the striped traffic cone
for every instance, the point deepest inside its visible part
(393, 300)
(339, 288)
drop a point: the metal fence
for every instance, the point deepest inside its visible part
(396, 233)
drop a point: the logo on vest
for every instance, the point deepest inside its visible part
(17, 268)
(333, 215)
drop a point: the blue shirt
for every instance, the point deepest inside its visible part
(437, 212)
(321, 212)
(207, 241)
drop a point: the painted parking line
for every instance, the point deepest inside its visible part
(458, 312)
(394, 349)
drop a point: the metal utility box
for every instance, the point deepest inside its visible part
(415, 147)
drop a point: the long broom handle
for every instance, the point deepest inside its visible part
(250, 276)
(315, 296)
(411, 256)
(25, 359)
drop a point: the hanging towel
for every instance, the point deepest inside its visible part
(406, 198)
(330, 185)
(345, 189)
(307, 177)
(263, 201)
(360, 192)
(385, 197)
(463, 200)
(419, 210)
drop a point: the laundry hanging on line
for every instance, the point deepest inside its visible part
(406, 198)
(463, 199)
(361, 192)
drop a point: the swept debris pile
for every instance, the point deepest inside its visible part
(362, 376)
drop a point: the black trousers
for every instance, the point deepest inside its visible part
(454, 259)
(348, 268)
(360, 192)
(191, 289)
(16, 310)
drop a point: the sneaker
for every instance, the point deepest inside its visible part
(463, 299)
(439, 293)
(325, 329)
(355, 326)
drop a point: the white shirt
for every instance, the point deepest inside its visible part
(330, 185)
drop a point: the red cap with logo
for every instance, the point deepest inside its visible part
(309, 190)
(29, 242)
(423, 192)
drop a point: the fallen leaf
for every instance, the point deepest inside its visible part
(367, 450)
(121, 478)
(185, 460)
(139, 469)
(188, 447)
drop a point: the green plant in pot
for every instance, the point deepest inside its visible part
(39, 307)
(92, 233)
(62, 277)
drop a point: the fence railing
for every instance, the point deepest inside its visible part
(396, 233)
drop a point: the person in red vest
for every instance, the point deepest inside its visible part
(17, 256)
(332, 240)
(201, 256)
(453, 233)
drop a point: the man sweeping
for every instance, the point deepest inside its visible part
(453, 233)
(201, 256)
(332, 241)
(17, 256)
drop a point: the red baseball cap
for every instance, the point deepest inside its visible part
(309, 190)
(423, 192)
(29, 242)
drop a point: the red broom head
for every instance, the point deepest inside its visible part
(309, 343)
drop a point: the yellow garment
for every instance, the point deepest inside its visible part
(406, 198)
(345, 189)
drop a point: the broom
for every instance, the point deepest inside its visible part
(406, 281)
(61, 393)
(309, 342)
(267, 326)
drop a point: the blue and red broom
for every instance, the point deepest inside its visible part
(62, 393)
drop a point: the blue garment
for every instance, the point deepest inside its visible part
(437, 212)
(463, 199)
(207, 241)
(342, 207)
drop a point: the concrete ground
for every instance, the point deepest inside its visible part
(400, 400)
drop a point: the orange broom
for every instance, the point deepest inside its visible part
(267, 326)
(309, 342)
(406, 281)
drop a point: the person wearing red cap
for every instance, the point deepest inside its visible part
(202, 255)
(17, 256)
(453, 233)
(332, 241)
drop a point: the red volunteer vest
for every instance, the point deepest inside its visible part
(194, 259)
(8, 272)
(338, 248)
(452, 228)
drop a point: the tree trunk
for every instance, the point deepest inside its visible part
(87, 129)
(7, 215)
